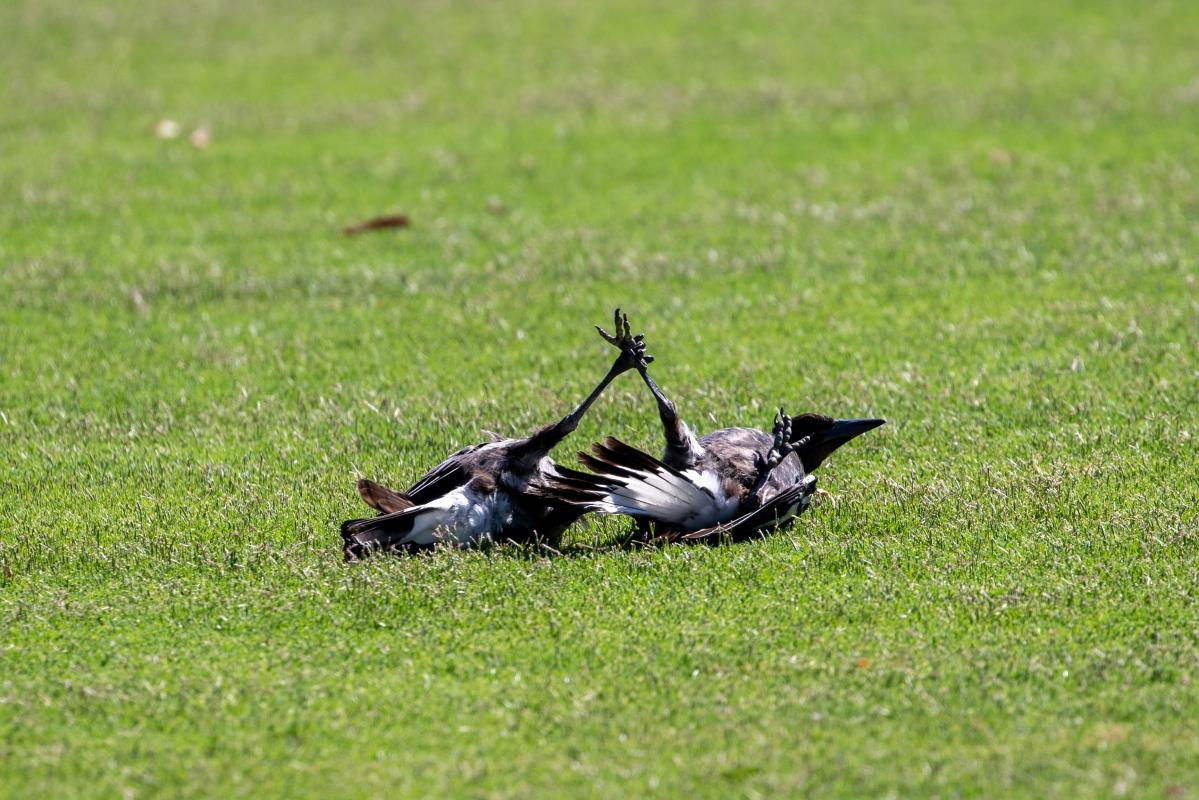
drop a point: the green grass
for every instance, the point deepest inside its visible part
(977, 220)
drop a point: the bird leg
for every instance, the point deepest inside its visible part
(779, 450)
(679, 439)
(632, 356)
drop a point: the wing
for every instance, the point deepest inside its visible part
(775, 512)
(445, 477)
(629, 481)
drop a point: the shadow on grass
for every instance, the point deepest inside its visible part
(537, 550)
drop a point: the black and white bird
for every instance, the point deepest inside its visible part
(735, 482)
(489, 492)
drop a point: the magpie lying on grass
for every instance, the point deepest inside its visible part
(735, 482)
(485, 492)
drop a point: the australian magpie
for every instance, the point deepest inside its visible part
(734, 482)
(486, 492)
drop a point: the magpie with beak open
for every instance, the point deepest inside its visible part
(735, 482)
(488, 492)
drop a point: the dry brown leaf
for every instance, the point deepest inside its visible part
(377, 224)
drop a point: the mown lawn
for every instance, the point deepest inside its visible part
(978, 220)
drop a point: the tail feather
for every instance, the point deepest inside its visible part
(603, 467)
(570, 486)
(382, 499)
(409, 529)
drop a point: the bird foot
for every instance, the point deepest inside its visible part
(632, 348)
(782, 446)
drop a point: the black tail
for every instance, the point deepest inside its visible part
(613, 463)
(619, 460)
(361, 537)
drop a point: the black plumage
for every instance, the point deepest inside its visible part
(735, 482)
(489, 492)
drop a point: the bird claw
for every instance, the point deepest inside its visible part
(632, 348)
(782, 430)
(782, 446)
(778, 450)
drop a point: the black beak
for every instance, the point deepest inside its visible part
(845, 429)
(826, 442)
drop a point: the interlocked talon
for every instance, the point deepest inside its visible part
(680, 442)
(624, 339)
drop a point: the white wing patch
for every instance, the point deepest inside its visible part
(690, 499)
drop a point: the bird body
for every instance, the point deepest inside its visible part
(735, 482)
(716, 494)
(489, 492)
(478, 495)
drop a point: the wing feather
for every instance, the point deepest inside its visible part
(629, 481)
(443, 478)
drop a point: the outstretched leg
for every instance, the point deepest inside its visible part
(680, 442)
(632, 356)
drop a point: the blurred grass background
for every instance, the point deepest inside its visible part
(976, 220)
